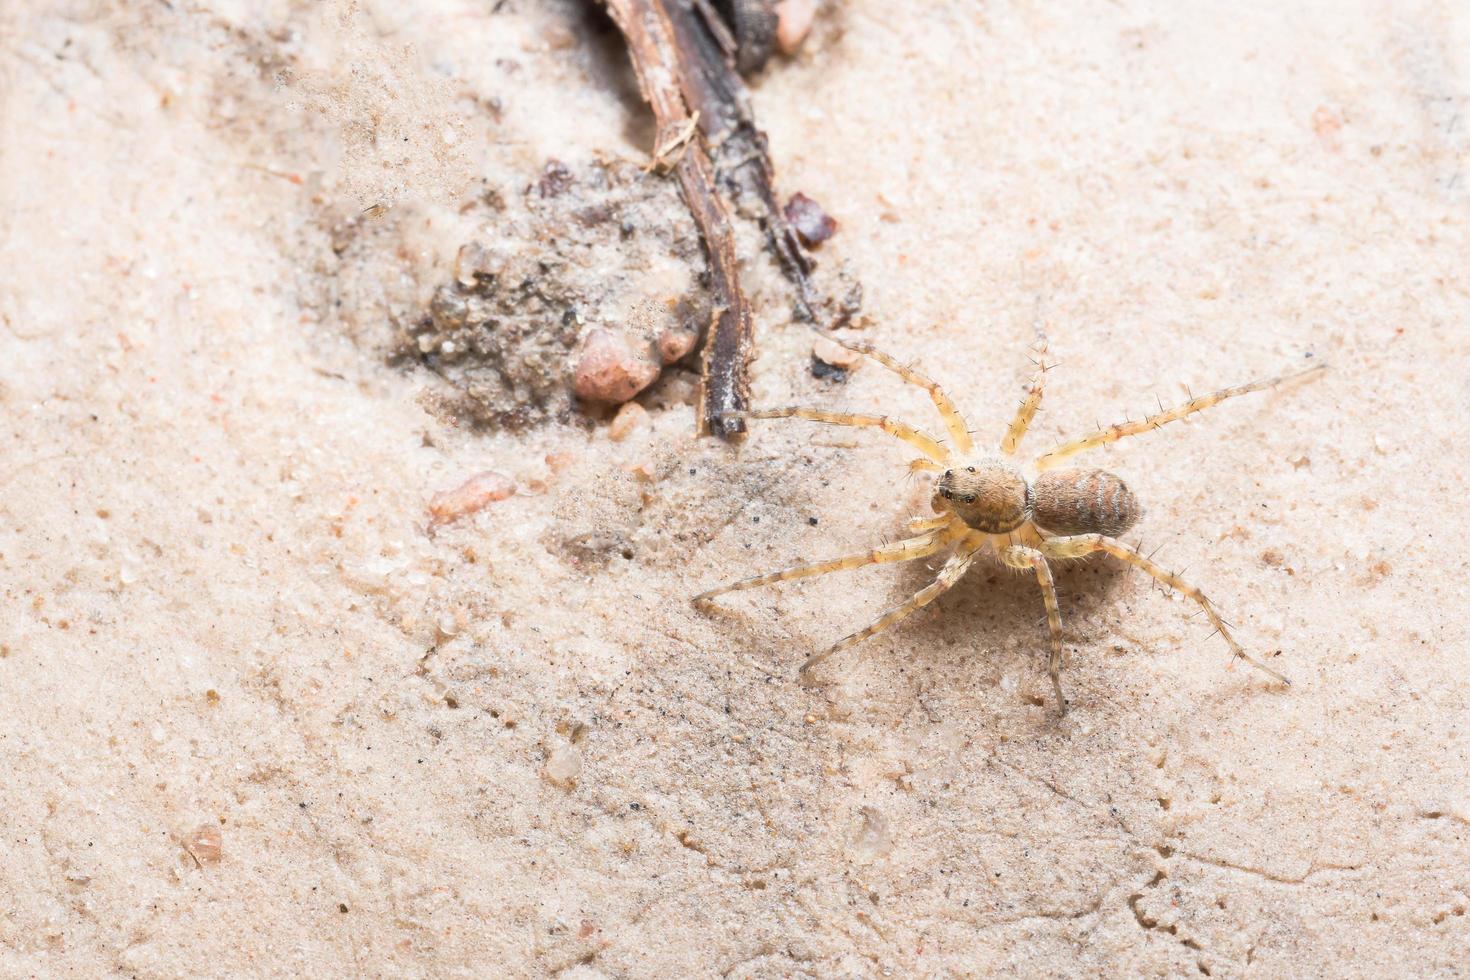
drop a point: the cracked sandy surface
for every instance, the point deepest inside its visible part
(500, 745)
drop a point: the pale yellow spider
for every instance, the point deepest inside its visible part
(1025, 514)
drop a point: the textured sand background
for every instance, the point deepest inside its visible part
(471, 752)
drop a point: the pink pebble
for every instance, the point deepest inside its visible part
(611, 370)
(675, 344)
(472, 495)
(629, 417)
(793, 23)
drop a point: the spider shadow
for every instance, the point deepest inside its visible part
(994, 603)
(980, 613)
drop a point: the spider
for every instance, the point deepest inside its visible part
(1027, 514)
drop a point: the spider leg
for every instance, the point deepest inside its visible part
(918, 438)
(1077, 545)
(1020, 556)
(953, 569)
(1029, 404)
(954, 421)
(1121, 430)
(908, 549)
(930, 523)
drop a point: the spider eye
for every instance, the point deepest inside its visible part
(969, 498)
(969, 469)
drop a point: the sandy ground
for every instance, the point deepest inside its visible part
(492, 748)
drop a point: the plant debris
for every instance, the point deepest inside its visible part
(685, 58)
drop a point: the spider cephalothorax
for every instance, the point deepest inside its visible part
(991, 494)
(1026, 515)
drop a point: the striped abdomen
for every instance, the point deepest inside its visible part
(1079, 501)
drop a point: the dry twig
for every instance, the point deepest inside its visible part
(683, 56)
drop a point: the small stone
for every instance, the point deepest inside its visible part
(558, 38)
(873, 841)
(557, 462)
(812, 225)
(629, 417)
(642, 471)
(563, 766)
(610, 370)
(205, 844)
(475, 493)
(830, 352)
(556, 179)
(793, 23)
(675, 344)
(475, 262)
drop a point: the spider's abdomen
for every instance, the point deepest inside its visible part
(1084, 501)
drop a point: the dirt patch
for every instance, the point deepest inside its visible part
(606, 247)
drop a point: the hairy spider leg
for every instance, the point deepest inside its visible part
(930, 523)
(954, 420)
(1027, 411)
(918, 438)
(1020, 556)
(1120, 430)
(1077, 545)
(953, 569)
(908, 549)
